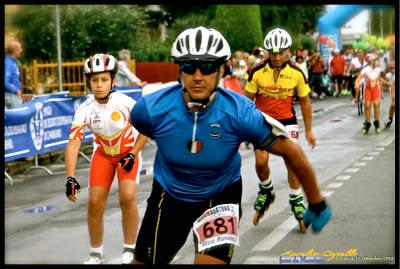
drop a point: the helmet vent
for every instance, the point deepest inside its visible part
(198, 40)
(187, 41)
(178, 46)
(220, 46)
(210, 41)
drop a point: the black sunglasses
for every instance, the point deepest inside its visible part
(205, 68)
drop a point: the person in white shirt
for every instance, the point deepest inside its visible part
(353, 70)
(372, 93)
(124, 76)
(107, 114)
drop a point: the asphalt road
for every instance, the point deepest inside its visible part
(355, 172)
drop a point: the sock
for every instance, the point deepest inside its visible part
(294, 192)
(266, 182)
(132, 246)
(97, 250)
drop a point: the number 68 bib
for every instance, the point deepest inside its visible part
(216, 226)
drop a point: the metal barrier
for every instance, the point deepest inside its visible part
(42, 77)
(45, 76)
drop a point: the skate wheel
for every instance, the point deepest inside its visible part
(256, 218)
(302, 226)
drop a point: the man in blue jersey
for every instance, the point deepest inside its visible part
(198, 128)
(12, 77)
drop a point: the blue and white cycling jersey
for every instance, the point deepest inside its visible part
(197, 154)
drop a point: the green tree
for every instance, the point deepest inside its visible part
(297, 19)
(240, 25)
(305, 42)
(37, 31)
(85, 30)
(388, 21)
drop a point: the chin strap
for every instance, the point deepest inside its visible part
(203, 103)
(105, 98)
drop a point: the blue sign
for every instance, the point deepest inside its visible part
(43, 124)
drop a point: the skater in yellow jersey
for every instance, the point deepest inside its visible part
(272, 84)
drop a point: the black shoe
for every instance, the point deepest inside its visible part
(377, 127)
(388, 123)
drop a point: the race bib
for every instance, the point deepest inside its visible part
(216, 226)
(293, 132)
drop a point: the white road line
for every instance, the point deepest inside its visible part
(367, 158)
(262, 260)
(326, 193)
(335, 185)
(360, 164)
(379, 148)
(277, 235)
(343, 177)
(387, 141)
(374, 153)
(351, 170)
(113, 261)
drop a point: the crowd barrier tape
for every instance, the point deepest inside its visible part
(43, 124)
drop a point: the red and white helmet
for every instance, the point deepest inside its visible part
(370, 57)
(100, 63)
(277, 40)
(200, 44)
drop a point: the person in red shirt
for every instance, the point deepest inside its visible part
(317, 68)
(337, 71)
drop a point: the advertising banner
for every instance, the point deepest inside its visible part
(43, 124)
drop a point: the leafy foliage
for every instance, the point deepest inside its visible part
(240, 25)
(305, 42)
(89, 29)
(86, 29)
(301, 19)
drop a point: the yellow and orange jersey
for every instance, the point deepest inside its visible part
(110, 123)
(275, 98)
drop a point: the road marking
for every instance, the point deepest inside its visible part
(113, 261)
(335, 185)
(262, 260)
(374, 153)
(367, 158)
(379, 148)
(326, 193)
(387, 141)
(360, 164)
(277, 235)
(343, 177)
(351, 170)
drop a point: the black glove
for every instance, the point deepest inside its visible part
(127, 162)
(72, 186)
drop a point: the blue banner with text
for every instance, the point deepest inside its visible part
(43, 124)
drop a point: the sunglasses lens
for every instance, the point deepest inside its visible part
(208, 68)
(187, 68)
(205, 68)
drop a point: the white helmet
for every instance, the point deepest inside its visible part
(277, 40)
(100, 63)
(200, 44)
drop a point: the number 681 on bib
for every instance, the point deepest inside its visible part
(216, 226)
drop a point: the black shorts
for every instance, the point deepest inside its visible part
(337, 79)
(168, 222)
